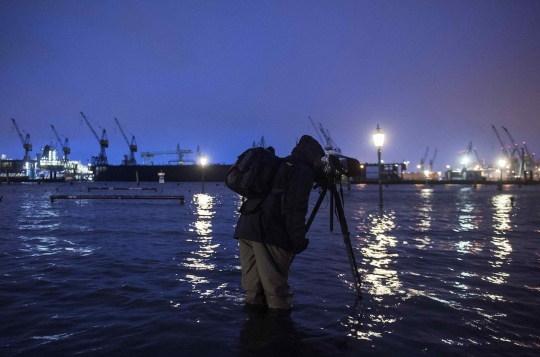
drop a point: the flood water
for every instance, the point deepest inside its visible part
(446, 271)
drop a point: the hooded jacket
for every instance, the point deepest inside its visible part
(280, 219)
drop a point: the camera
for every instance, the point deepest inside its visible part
(335, 166)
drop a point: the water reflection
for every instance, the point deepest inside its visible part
(501, 245)
(40, 222)
(467, 221)
(205, 247)
(380, 280)
(426, 209)
(465, 208)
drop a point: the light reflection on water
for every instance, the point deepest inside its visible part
(200, 259)
(468, 221)
(380, 279)
(447, 269)
(502, 247)
(40, 216)
(465, 208)
(426, 209)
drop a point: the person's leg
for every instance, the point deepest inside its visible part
(273, 266)
(251, 282)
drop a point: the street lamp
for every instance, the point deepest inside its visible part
(203, 162)
(378, 139)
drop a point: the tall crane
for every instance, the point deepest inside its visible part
(422, 160)
(101, 159)
(530, 158)
(480, 162)
(132, 147)
(180, 153)
(514, 143)
(324, 136)
(65, 146)
(260, 144)
(503, 149)
(27, 145)
(467, 153)
(432, 161)
(516, 156)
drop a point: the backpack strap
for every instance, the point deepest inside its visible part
(281, 193)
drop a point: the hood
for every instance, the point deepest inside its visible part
(307, 150)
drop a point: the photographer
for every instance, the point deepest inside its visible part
(272, 231)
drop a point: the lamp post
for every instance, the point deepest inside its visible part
(203, 162)
(502, 164)
(378, 139)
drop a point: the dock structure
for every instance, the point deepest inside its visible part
(115, 197)
(123, 188)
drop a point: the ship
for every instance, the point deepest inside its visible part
(151, 173)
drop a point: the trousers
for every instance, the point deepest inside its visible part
(265, 274)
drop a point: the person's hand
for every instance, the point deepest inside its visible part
(300, 246)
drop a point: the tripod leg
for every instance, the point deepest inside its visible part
(348, 245)
(316, 208)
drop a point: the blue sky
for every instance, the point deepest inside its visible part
(222, 74)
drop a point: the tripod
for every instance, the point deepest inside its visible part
(335, 197)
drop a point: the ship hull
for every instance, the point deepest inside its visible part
(173, 173)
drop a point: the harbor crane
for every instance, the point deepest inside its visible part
(27, 145)
(516, 156)
(432, 161)
(422, 160)
(324, 136)
(260, 144)
(514, 143)
(503, 149)
(467, 161)
(65, 146)
(480, 162)
(101, 159)
(132, 147)
(147, 155)
(530, 157)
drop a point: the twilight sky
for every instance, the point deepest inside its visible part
(222, 74)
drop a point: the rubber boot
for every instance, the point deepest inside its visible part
(280, 302)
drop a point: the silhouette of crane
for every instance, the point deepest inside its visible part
(101, 159)
(325, 138)
(147, 155)
(503, 148)
(66, 150)
(432, 161)
(260, 144)
(27, 145)
(132, 147)
(423, 160)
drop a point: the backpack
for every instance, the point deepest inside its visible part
(253, 173)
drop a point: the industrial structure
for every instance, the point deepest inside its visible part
(101, 159)
(422, 161)
(515, 163)
(66, 150)
(132, 147)
(27, 144)
(324, 136)
(147, 156)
